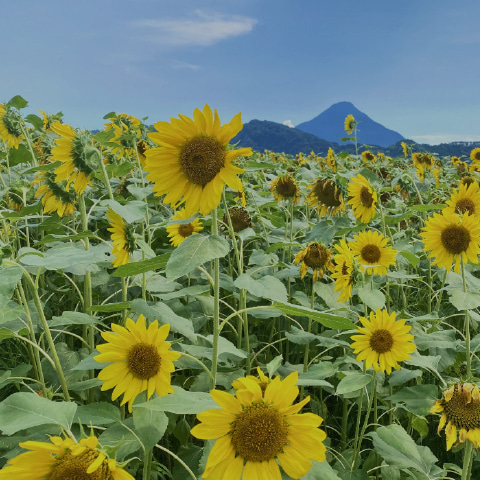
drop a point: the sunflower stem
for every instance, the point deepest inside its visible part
(467, 329)
(147, 464)
(105, 176)
(216, 305)
(467, 461)
(29, 143)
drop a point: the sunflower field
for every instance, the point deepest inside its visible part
(173, 306)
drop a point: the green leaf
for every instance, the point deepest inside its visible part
(100, 413)
(398, 449)
(35, 120)
(150, 425)
(17, 102)
(133, 211)
(266, 287)
(374, 299)
(181, 402)
(73, 318)
(279, 245)
(412, 258)
(9, 277)
(193, 252)
(6, 333)
(353, 382)
(110, 307)
(121, 436)
(321, 470)
(427, 208)
(464, 300)
(274, 365)
(19, 155)
(143, 266)
(24, 410)
(328, 320)
(417, 399)
(300, 337)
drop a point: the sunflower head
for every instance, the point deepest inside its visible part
(460, 409)
(405, 149)
(350, 124)
(178, 232)
(326, 196)
(285, 187)
(465, 200)
(368, 157)
(239, 217)
(475, 155)
(315, 256)
(123, 238)
(362, 197)
(10, 126)
(345, 270)
(54, 196)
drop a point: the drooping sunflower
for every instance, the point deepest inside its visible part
(343, 271)
(350, 124)
(330, 160)
(460, 408)
(122, 238)
(466, 199)
(78, 155)
(142, 147)
(368, 157)
(55, 197)
(372, 253)
(254, 430)
(315, 256)
(63, 459)
(141, 360)
(285, 187)
(10, 127)
(239, 217)
(452, 239)
(362, 197)
(405, 149)
(383, 341)
(326, 197)
(178, 232)
(475, 155)
(193, 163)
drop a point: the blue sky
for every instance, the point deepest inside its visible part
(411, 65)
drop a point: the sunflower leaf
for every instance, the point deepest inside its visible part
(150, 425)
(353, 382)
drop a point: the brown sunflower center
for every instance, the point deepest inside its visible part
(345, 269)
(371, 254)
(366, 197)
(286, 187)
(316, 256)
(381, 341)
(369, 156)
(201, 158)
(239, 217)
(259, 433)
(467, 181)
(74, 467)
(455, 239)
(185, 230)
(143, 361)
(465, 205)
(462, 414)
(326, 192)
(476, 156)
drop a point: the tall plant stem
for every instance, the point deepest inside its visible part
(216, 305)
(467, 330)
(29, 143)
(147, 464)
(309, 329)
(467, 460)
(105, 176)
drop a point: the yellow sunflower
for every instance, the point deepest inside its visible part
(475, 155)
(372, 253)
(10, 127)
(125, 121)
(315, 256)
(141, 360)
(193, 164)
(122, 238)
(78, 156)
(142, 147)
(326, 197)
(330, 160)
(452, 239)
(123, 142)
(243, 382)
(467, 180)
(368, 157)
(63, 459)
(466, 199)
(285, 187)
(343, 271)
(362, 197)
(405, 149)
(54, 197)
(383, 342)
(460, 408)
(454, 160)
(350, 124)
(178, 232)
(254, 430)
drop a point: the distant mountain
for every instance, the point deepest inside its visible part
(262, 134)
(329, 125)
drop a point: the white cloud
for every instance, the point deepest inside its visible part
(444, 138)
(203, 29)
(179, 65)
(288, 123)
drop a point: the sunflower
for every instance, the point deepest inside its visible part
(343, 271)
(239, 217)
(192, 163)
(123, 142)
(466, 199)
(423, 160)
(368, 157)
(475, 155)
(460, 408)
(142, 147)
(63, 459)
(10, 127)
(372, 253)
(362, 198)
(141, 360)
(243, 382)
(452, 239)
(122, 238)
(454, 160)
(383, 341)
(467, 180)
(178, 232)
(350, 124)
(49, 119)
(124, 121)
(315, 256)
(54, 196)
(330, 160)
(326, 197)
(285, 187)
(78, 156)
(405, 149)
(254, 430)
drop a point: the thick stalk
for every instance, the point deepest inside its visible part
(468, 353)
(105, 176)
(467, 460)
(147, 464)
(216, 305)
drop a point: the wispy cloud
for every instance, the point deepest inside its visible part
(179, 65)
(445, 138)
(288, 123)
(202, 29)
